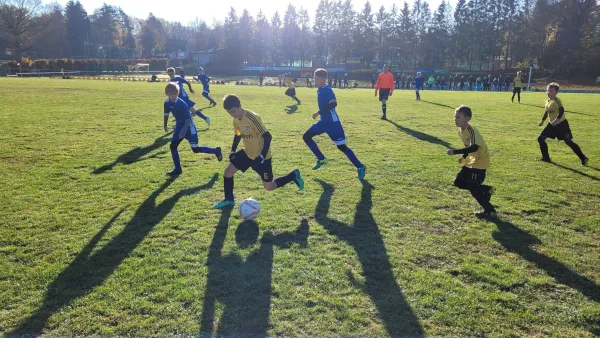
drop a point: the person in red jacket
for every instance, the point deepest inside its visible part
(385, 86)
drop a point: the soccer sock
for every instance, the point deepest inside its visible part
(480, 195)
(350, 154)
(543, 147)
(283, 180)
(206, 150)
(295, 98)
(175, 155)
(312, 145)
(384, 106)
(576, 149)
(513, 97)
(228, 188)
(519, 96)
(199, 113)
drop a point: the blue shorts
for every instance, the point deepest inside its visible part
(334, 130)
(205, 90)
(187, 101)
(191, 135)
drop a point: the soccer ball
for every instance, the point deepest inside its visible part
(249, 209)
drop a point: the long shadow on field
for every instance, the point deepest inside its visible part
(566, 111)
(577, 171)
(136, 154)
(439, 104)
(242, 287)
(420, 135)
(89, 271)
(520, 242)
(365, 238)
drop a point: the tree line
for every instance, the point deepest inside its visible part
(562, 36)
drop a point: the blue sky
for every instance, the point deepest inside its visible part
(207, 10)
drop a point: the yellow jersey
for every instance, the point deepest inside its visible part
(479, 159)
(553, 107)
(290, 83)
(251, 129)
(517, 82)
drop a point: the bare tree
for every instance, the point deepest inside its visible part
(20, 22)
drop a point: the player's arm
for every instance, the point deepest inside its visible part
(189, 86)
(561, 113)
(378, 84)
(543, 118)
(166, 118)
(236, 141)
(186, 126)
(266, 145)
(464, 151)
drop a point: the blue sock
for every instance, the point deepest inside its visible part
(206, 150)
(315, 149)
(208, 97)
(176, 162)
(202, 116)
(352, 157)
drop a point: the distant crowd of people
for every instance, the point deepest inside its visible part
(453, 82)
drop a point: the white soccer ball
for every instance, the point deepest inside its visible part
(249, 209)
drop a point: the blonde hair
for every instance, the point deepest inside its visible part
(171, 88)
(553, 85)
(170, 69)
(321, 72)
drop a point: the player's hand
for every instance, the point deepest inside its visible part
(260, 159)
(232, 156)
(315, 115)
(391, 93)
(450, 152)
(375, 94)
(541, 123)
(461, 160)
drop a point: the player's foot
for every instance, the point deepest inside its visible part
(213, 104)
(486, 215)
(224, 204)
(547, 160)
(320, 163)
(207, 121)
(585, 161)
(362, 171)
(219, 154)
(384, 117)
(299, 181)
(174, 173)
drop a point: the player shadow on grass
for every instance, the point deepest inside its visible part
(566, 111)
(439, 104)
(420, 135)
(578, 171)
(136, 154)
(364, 236)
(520, 242)
(243, 287)
(86, 271)
(291, 109)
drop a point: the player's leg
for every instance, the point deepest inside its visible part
(543, 145)
(237, 161)
(192, 138)
(316, 129)
(266, 174)
(205, 94)
(564, 133)
(519, 95)
(512, 99)
(337, 135)
(194, 111)
(175, 155)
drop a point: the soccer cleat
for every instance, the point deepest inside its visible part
(486, 215)
(213, 104)
(547, 160)
(299, 181)
(219, 154)
(174, 172)
(224, 204)
(362, 171)
(384, 117)
(207, 121)
(585, 161)
(320, 163)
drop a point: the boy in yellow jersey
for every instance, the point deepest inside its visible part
(558, 126)
(291, 91)
(256, 153)
(517, 84)
(475, 159)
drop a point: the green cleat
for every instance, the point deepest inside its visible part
(299, 181)
(224, 204)
(362, 171)
(320, 163)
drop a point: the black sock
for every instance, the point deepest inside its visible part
(283, 180)
(228, 188)
(483, 198)
(576, 149)
(544, 149)
(384, 109)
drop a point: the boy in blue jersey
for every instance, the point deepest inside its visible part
(180, 81)
(418, 85)
(184, 128)
(205, 80)
(329, 123)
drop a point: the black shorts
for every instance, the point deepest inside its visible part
(516, 90)
(291, 92)
(562, 131)
(384, 93)
(242, 162)
(471, 175)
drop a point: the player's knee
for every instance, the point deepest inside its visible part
(342, 147)
(270, 185)
(229, 171)
(174, 145)
(307, 137)
(569, 142)
(541, 139)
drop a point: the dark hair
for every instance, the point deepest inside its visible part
(554, 85)
(231, 101)
(321, 72)
(466, 111)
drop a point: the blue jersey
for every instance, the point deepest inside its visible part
(205, 81)
(179, 109)
(419, 82)
(180, 82)
(325, 96)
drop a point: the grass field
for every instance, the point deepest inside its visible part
(95, 240)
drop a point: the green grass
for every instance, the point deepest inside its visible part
(95, 240)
